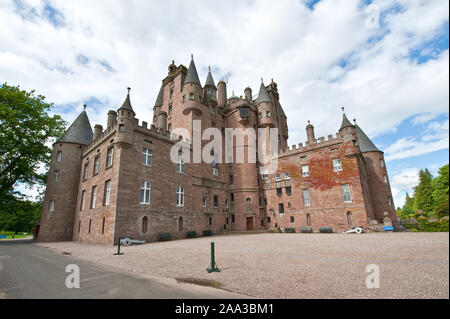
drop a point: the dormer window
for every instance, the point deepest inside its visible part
(191, 97)
(121, 127)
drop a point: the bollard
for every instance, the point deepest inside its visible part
(118, 248)
(213, 266)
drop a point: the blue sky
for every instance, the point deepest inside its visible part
(392, 75)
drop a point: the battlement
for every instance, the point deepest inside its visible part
(307, 147)
(158, 132)
(106, 133)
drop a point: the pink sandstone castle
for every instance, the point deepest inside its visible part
(121, 182)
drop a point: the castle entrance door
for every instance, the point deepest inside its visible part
(250, 223)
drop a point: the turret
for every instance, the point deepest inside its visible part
(222, 93)
(112, 119)
(125, 123)
(310, 133)
(59, 206)
(248, 94)
(98, 130)
(265, 108)
(192, 91)
(162, 120)
(347, 129)
(210, 90)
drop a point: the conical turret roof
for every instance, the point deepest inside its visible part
(365, 144)
(160, 98)
(127, 103)
(209, 79)
(263, 95)
(192, 75)
(79, 132)
(345, 122)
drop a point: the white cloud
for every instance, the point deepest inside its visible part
(403, 183)
(435, 138)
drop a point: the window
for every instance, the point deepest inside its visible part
(110, 157)
(93, 196)
(305, 170)
(96, 165)
(346, 193)
(55, 176)
(289, 205)
(232, 197)
(180, 196)
(287, 175)
(121, 127)
(145, 193)
(216, 201)
(210, 221)
(292, 219)
(86, 171)
(147, 157)
(389, 201)
(248, 200)
(381, 163)
(264, 174)
(204, 201)
(267, 114)
(79, 226)
(183, 99)
(107, 195)
(171, 94)
(349, 218)
(288, 190)
(170, 109)
(191, 97)
(308, 219)
(51, 205)
(337, 165)
(103, 226)
(180, 166)
(180, 224)
(233, 219)
(260, 115)
(385, 179)
(83, 198)
(144, 224)
(227, 203)
(265, 201)
(231, 179)
(279, 191)
(215, 172)
(213, 111)
(90, 223)
(306, 198)
(281, 208)
(208, 91)
(269, 220)
(59, 156)
(278, 177)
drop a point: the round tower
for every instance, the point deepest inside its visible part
(265, 108)
(192, 91)
(210, 89)
(61, 194)
(221, 93)
(126, 121)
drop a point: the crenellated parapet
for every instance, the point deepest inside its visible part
(315, 145)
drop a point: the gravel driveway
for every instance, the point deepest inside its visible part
(412, 265)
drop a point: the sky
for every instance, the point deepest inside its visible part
(386, 62)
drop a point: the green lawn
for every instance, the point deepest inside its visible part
(9, 235)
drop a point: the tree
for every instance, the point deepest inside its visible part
(20, 215)
(25, 130)
(423, 193)
(408, 208)
(441, 188)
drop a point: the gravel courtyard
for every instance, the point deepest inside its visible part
(412, 265)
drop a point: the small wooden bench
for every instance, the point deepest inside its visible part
(191, 234)
(207, 233)
(326, 229)
(164, 237)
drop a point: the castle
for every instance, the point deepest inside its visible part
(120, 181)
